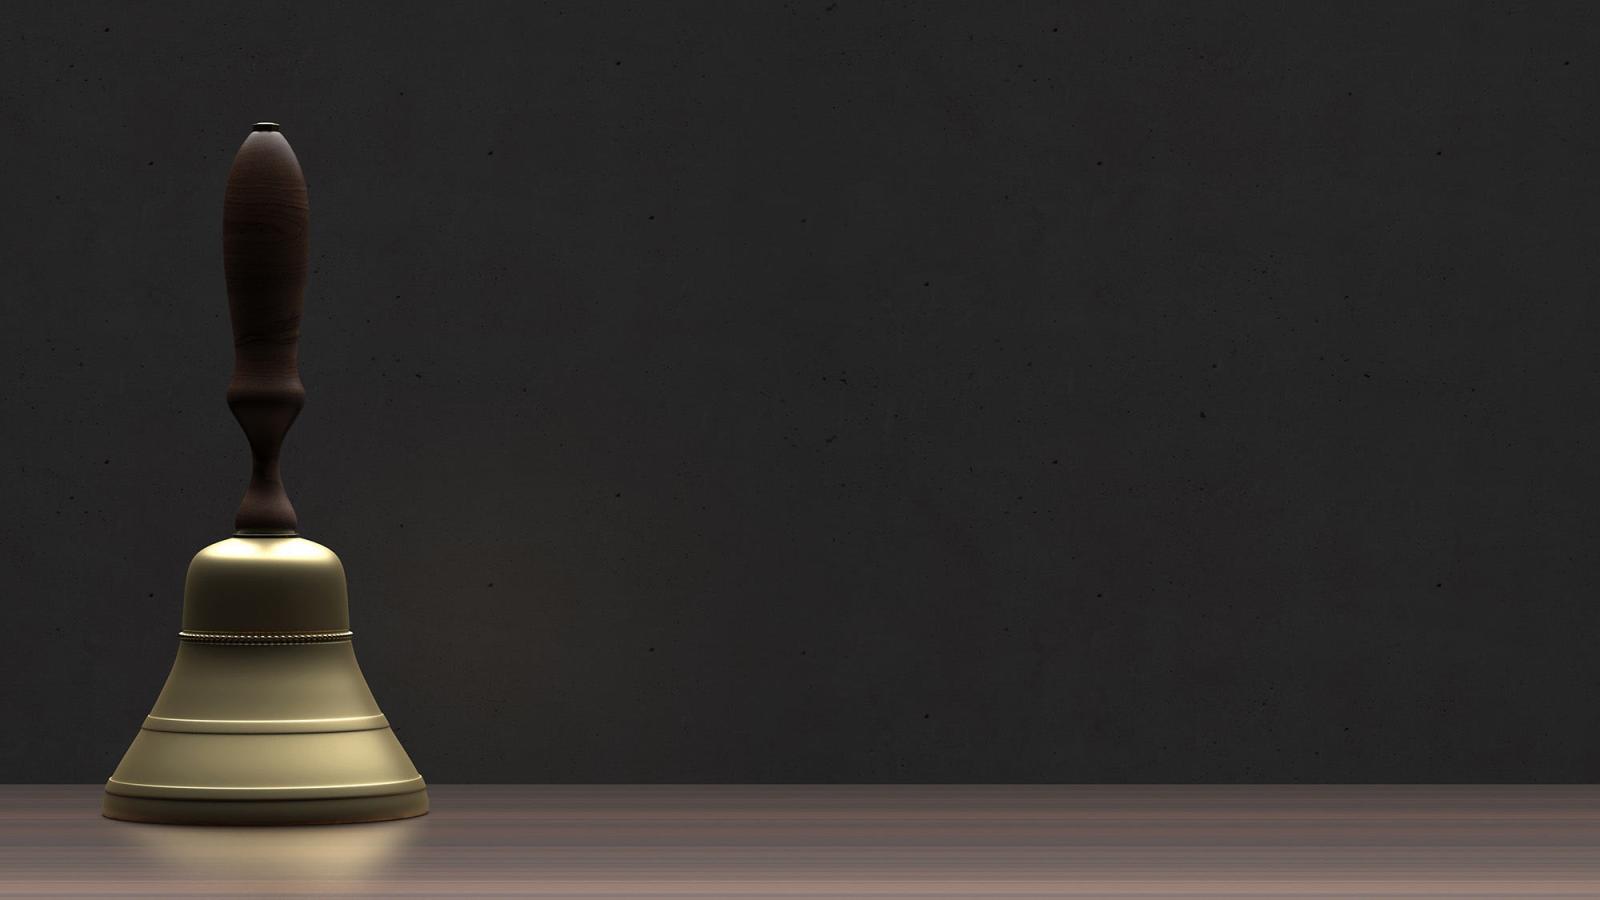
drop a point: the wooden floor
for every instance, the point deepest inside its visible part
(795, 842)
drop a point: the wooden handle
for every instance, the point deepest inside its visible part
(265, 225)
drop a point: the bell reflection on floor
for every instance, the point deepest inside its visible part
(294, 853)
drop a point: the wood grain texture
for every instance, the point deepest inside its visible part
(845, 841)
(265, 251)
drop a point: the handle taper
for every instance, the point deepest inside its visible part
(265, 225)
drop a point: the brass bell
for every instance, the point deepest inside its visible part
(265, 717)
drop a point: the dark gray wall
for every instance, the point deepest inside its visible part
(837, 391)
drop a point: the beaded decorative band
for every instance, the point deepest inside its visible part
(264, 637)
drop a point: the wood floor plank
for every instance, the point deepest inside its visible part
(842, 841)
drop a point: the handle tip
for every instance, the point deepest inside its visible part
(267, 126)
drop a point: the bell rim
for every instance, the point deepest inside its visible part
(270, 812)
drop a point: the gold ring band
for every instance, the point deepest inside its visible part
(264, 637)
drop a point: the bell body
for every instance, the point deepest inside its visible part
(265, 717)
